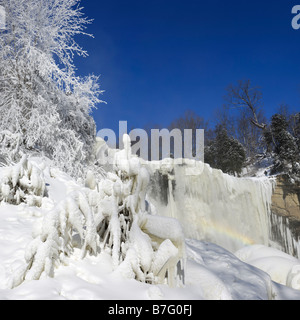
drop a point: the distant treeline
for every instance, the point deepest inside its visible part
(241, 134)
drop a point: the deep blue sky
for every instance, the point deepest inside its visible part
(158, 58)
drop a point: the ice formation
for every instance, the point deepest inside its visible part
(108, 215)
(22, 183)
(54, 241)
(212, 206)
(282, 235)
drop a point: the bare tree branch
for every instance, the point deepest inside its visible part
(245, 96)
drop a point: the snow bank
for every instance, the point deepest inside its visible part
(281, 267)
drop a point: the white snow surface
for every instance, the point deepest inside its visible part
(256, 272)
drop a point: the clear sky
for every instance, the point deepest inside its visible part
(158, 58)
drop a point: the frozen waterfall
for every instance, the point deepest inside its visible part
(216, 207)
(219, 208)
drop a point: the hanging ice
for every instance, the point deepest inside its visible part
(212, 206)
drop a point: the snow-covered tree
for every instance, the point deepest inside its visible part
(23, 183)
(44, 106)
(108, 215)
(286, 148)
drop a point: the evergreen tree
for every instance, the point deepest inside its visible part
(297, 129)
(225, 153)
(286, 148)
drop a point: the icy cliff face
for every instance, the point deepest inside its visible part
(212, 206)
(219, 208)
(282, 234)
(285, 218)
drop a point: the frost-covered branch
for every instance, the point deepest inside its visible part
(109, 215)
(42, 101)
(23, 183)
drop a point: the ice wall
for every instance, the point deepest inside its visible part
(283, 235)
(216, 207)
(213, 206)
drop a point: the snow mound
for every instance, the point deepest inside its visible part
(281, 267)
